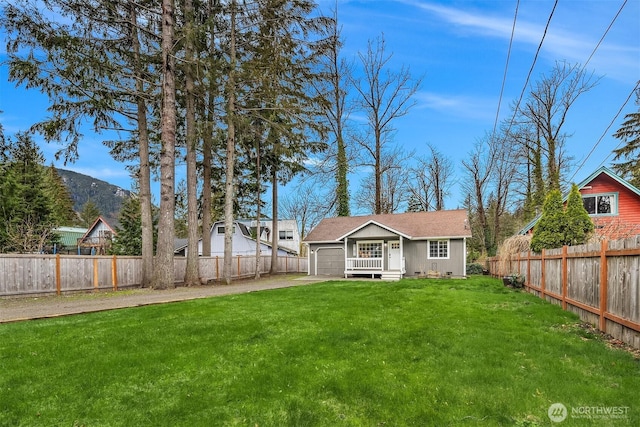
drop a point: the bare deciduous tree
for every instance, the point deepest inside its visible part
(384, 192)
(384, 96)
(546, 111)
(431, 180)
(307, 206)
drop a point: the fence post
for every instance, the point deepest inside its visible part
(217, 269)
(565, 274)
(527, 279)
(238, 265)
(95, 274)
(542, 275)
(114, 273)
(58, 275)
(603, 285)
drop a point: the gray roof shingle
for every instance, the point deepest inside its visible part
(413, 225)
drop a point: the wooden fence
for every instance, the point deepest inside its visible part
(600, 282)
(54, 274)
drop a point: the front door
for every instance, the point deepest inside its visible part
(394, 255)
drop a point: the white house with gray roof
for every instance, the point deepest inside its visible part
(390, 246)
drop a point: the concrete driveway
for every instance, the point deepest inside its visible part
(29, 308)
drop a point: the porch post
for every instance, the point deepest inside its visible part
(346, 247)
(401, 255)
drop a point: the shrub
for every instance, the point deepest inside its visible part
(474, 268)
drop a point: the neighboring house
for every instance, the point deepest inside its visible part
(391, 245)
(243, 244)
(98, 238)
(612, 203)
(288, 234)
(68, 238)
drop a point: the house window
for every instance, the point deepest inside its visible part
(221, 229)
(369, 249)
(286, 234)
(600, 204)
(439, 249)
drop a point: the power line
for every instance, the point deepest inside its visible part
(533, 64)
(623, 105)
(605, 132)
(506, 67)
(605, 33)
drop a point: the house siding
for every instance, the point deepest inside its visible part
(372, 231)
(628, 201)
(417, 261)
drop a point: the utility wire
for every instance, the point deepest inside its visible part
(605, 133)
(506, 67)
(605, 33)
(624, 3)
(533, 64)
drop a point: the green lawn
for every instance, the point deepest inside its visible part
(415, 352)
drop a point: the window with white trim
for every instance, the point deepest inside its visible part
(370, 249)
(438, 249)
(600, 204)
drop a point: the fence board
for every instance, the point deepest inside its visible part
(39, 274)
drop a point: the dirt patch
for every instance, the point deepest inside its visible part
(610, 340)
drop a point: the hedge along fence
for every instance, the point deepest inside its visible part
(48, 274)
(599, 281)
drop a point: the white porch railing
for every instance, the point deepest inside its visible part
(364, 264)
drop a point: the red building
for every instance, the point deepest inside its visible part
(612, 203)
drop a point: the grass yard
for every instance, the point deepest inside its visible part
(410, 353)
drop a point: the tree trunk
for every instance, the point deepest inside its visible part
(227, 268)
(207, 147)
(144, 174)
(164, 275)
(192, 271)
(274, 221)
(258, 191)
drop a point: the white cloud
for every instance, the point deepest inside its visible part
(457, 105)
(567, 39)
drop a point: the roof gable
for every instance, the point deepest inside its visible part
(612, 175)
(411, 225)
(96, 224)
(584, 183)
(374, 224)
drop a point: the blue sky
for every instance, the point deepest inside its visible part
(460, 49)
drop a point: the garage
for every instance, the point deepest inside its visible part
(331, 263)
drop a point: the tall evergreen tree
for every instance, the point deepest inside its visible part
(128, 240)
(629, 134)
(551, 229)
(96, 65)
(164, 269)
(27, 215)
(62, 206)
(579, 224)
(89, 213)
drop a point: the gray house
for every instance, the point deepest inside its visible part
(390, 246)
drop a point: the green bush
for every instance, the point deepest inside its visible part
(474, 268)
